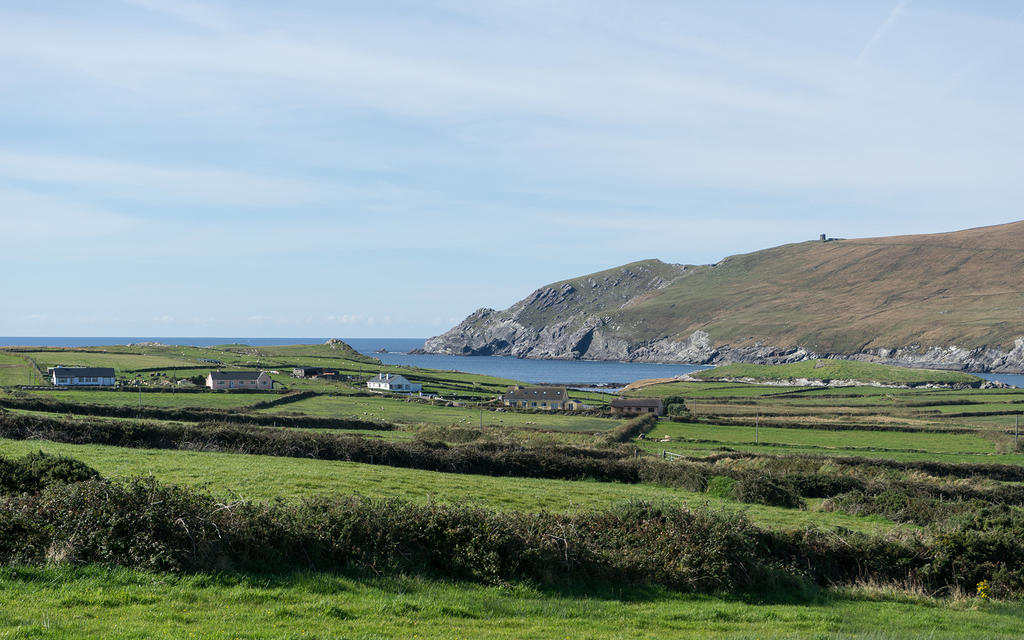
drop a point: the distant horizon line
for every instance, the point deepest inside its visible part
(231, 337)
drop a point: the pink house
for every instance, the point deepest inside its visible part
(239, 380)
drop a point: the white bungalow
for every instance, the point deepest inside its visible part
(393, 382)
(82, 376)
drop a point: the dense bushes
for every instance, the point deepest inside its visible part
(631, 429)
(675, 406)
(189, 414)
(144, 524)
(37, 470)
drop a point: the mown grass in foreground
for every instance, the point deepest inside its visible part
(266, 478)
(67, 602)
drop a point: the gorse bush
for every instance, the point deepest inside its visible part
(141, 523)
(631, 429)
(35, 471)
(145, 524)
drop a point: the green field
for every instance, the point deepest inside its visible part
(878, 440)
(401, 411)
(246, 476)
(64, 601)
(121, 362)
(15, 370)
(828, 370)
(163, 400)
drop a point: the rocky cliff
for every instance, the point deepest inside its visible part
(950, 300)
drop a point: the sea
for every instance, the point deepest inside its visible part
(575, 373)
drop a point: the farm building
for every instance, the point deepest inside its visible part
(638, 405)
(315, 372)
(393, 382)
(547, 398)
(239, 380)
(82, 376)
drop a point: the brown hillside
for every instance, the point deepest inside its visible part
(962, 288)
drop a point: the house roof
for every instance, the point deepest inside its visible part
(622, 403)
(235, 375)
(388, 377)
(537, 393)
(83, 372)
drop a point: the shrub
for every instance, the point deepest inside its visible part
(721, 487)
(38, 470)
(631, 429)
(759, 488)
(675, 406)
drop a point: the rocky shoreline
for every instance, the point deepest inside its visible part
(486, 333)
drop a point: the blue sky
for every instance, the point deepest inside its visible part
(318, 168)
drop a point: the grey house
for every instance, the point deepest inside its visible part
(82, 376)
(638, 406)
(239, 380)
(543, 398)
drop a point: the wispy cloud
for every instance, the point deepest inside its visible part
(894, 15)
(193, 13)
(161, 183)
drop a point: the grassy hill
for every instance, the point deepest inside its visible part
(844, 296)
(959, 292)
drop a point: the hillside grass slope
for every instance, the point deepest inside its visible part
(845, 296)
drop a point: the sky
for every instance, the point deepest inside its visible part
(382, 169)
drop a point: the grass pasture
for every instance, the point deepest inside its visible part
(73, 602)
(121, 362)
(162, 400)
(233, 476)
(848, 442)
(15, 370)
(401, 411)
(828, 370)
(86, 601)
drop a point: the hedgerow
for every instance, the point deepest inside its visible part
(142, 523)
(485, 458)
(191, 414)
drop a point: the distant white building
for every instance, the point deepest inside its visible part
(393, 382)
(82, 376)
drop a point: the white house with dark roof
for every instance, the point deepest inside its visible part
(239, 380)
(82, 376)
(393, 382)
